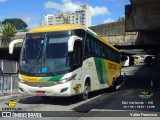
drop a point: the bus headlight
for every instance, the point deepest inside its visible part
(66, 79)
(21, 81)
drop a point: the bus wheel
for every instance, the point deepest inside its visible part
(113, 86)
(84, 95)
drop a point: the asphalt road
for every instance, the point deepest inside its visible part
(125, 102)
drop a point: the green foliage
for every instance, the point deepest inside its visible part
(17, 23)
(121, 18)
(65, 19)
(8, 31)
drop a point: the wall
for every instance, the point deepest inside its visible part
(115, 33)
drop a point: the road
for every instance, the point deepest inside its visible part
(126, 98)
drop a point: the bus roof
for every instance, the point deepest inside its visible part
(60, 27)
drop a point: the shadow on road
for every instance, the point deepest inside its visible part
(65, 101)
(135, 84)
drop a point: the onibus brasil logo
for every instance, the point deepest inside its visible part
(11, 111)
(145, 95)
(11, 106)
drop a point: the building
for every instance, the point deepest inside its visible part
(82, 16)
(49, 19)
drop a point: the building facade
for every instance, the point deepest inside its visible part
(82, 17)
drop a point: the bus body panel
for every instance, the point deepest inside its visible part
(89, 69)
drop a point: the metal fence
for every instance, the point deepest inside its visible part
(8, 77)
(8, 84)
(9, 67)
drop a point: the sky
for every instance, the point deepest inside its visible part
(33, 11)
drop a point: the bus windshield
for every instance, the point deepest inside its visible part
(46, 53)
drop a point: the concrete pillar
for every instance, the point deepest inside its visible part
(158, 56)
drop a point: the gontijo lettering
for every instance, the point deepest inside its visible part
(112, 66)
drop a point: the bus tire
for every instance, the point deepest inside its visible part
(85, 94)
(113, 86)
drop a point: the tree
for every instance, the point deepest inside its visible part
(8, 31)
(16, 22)
(65, 20)
(121, 18)
(63, 16)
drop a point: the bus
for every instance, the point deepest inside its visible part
(125, 60)
(66, 60)
(137, 59)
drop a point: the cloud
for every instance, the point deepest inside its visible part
(31, 20)
(68, 5)
(3, 1)
(108, 20)
(95, 11)
(66, 1)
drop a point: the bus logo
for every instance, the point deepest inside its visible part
(77, 88)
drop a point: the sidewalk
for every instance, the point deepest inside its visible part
(10, 95)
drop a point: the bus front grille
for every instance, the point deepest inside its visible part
(41, 84)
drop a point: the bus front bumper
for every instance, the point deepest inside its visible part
(57, 90)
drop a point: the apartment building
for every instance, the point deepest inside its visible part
(82, 16)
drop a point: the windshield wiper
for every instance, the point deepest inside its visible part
(36, 62)
(46, 63)
(51, 72)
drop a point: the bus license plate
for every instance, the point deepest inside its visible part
(40, 93)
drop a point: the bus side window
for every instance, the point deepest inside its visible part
(107, 52)
(91, 45)
(98, 49)
(103, 52)
(87, 46)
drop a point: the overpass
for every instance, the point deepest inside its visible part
(143, 16)
(4, 50)
(140, 30)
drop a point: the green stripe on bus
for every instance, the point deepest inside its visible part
(101, 70)
(56, 78)
(53, 79)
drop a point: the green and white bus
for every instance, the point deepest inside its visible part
(66, 60)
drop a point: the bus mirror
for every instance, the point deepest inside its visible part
(11, 45)
(72, 41)
(77, 53)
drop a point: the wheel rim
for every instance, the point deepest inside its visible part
(85, 91)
